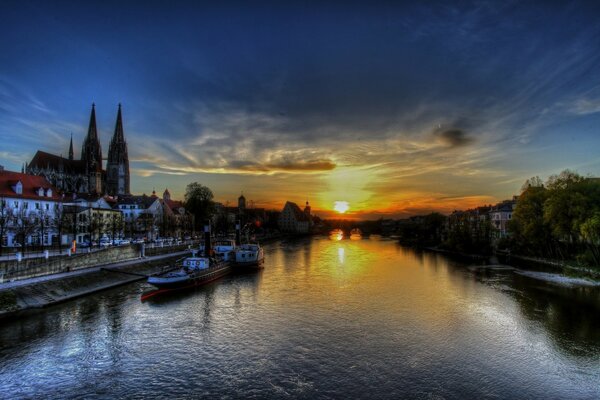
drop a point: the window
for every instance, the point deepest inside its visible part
(25, 205)
(47, 207)
(37, 206)
(16, 204)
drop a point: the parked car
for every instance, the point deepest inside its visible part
(124, 242)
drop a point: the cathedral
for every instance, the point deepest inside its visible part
(86, 175)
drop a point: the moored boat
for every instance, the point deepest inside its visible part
(249, 256)
(194, 270)
(225, 249)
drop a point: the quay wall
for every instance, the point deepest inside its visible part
(33, 267)
(18, 300)
(156, 251)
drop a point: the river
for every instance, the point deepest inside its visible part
(324, 319)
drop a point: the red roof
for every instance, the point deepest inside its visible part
(31, 184)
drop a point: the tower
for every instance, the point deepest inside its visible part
(117, 166)
(71, 154)
(242, 202)
(91, 153)
(307, 209)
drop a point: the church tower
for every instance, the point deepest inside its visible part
(91, 153)
(307, 209)
(71, 154)
(117, 167)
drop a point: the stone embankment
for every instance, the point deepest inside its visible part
(19, 296)
(11, 270)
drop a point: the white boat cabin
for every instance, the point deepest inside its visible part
(196, 263)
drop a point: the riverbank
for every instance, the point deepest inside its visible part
(525, 261)
(19, 297)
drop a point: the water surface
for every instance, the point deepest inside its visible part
(325, 319)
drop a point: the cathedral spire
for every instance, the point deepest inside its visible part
(91, 153)
(117, 167)
(71, 148)
(119, 136)
(91, 150)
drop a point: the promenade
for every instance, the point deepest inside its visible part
(43, 291)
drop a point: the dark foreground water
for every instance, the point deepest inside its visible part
(325, 319)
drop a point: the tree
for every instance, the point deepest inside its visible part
(43, 223)
(563, 180)
(590, 231)
(198, 201)
(5, 219)
(24, 225)
(529, 230)
(61, 221)
(534, 181)
(116, 224)
(97, 225)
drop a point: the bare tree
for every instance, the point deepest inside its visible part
(5, 219)
(24, 225)
(42, 223)
(61, 221)
(116, 224)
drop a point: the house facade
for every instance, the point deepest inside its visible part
(294, 220)
(500, 216)
(29, 206)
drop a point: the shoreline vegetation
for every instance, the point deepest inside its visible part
(553, 224)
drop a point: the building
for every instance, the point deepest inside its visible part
(142, 215)
(500, 215)
(87, 174)
(117, 166)
(177, 222)
(29, 206)
(293, 220)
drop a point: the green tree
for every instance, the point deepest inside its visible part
(199, 202)
(590, 231)
(529, 231)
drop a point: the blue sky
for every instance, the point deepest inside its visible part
(396, 108)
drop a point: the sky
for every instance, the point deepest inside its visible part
(396, 108)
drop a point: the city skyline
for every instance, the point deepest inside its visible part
(395, 109)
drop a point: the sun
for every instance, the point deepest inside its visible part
(341, 206)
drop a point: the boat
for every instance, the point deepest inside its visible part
(224, 249)
(249, 256)
(193, 271)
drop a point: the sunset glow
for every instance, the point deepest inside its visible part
(463, 125)
(341, 206)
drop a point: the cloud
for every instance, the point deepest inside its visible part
(585, 106)
(453, 137)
